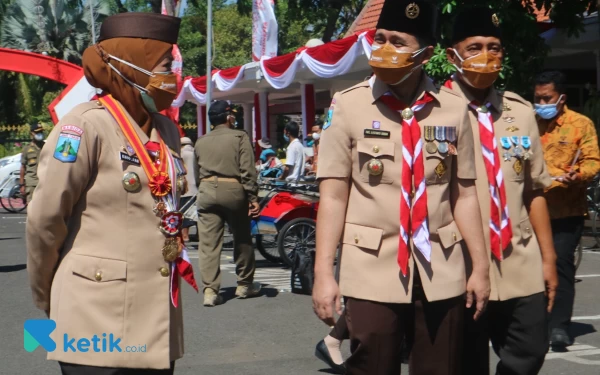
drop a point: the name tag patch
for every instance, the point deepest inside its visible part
(377, 133)
(129, 158)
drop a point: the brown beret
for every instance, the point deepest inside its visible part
(141, 25)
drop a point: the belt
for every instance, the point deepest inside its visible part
(219, 179)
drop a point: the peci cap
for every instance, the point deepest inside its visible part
(141, 25)
(475, 22)
(419, 18)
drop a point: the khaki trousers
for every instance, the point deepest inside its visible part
(219, 202)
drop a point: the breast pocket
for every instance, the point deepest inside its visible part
(376, 158)
(438, 168)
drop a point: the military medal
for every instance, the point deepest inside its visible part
(171, 249)
(517, 150)
(440, 133)
(170, 223)
(505, 141)
(506, 107)
(508, 119)
(526, 142)
(431, 148)
(375, 167)
(512, 129)
(442, 147)
(518, 166)
(452, 149)
(131, 181)
(440, 169)
(159, 209)
(451, 134)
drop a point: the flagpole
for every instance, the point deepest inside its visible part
(208, 62)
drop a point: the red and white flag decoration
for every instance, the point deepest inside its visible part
(264, 29)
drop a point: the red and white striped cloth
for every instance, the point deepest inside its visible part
(500, 226)
(413, 226)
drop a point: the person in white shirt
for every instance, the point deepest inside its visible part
(294, 160)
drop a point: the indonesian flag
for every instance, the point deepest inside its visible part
(177, 68)
(181, 267)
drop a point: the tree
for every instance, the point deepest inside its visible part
(59, 28)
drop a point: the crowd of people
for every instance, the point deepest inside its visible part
(456, 208)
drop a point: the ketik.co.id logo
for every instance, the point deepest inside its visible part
(37, 332)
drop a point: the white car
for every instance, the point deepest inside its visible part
(9, 165)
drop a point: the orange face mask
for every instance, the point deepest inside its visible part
(480, 71)
(391, 66)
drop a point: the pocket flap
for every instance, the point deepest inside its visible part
(376, 147)
(98, 269)
(361, 236)
(449, 235)
(526, 229)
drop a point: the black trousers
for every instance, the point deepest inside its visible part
(73, 369)
(518, 329)
(566, 234)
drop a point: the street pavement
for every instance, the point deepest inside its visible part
(270, 335)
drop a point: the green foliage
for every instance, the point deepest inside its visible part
(59, 28)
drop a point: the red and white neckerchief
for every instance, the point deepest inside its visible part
(413, 226)
(500, 225)
(182, 266)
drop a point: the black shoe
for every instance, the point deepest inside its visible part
(559, 338)
(322, 353)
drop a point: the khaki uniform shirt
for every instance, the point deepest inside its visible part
(368, 266)
(226, 152)
(29, 158)
(94, 249)
(520, 273)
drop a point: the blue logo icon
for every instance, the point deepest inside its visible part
(37, 332)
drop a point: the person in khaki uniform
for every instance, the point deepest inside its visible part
(399, 280)
(96, 261)
(227, 192)
(28, 178)
(516, 222)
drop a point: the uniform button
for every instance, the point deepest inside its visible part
(164, 271)
(356, 239)
(528, 230)
(453, 236)
(98, 276)
(376, 149)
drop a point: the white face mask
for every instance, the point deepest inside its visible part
(38, 137)
(316, 136)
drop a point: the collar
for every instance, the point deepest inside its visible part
(493, 97)
(426, 85)
(547, 127)
(566, 113)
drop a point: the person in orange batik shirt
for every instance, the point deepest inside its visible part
(571, 151)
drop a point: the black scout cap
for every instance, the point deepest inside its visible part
(35, 128)
(141, 25)
(418, 18)
(476, 22)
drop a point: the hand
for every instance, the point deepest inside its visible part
(22, 189)
(254, 209)
(551, 281)
(326, 295)
(571, 178)
(478, 290)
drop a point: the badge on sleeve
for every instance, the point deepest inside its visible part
(68, 142)
(329, 117)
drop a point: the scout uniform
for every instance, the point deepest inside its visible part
(226, 184)
(29, 160)
(516, 315)
(364, 141)
(96, 258)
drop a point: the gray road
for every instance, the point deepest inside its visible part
(271, 335)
